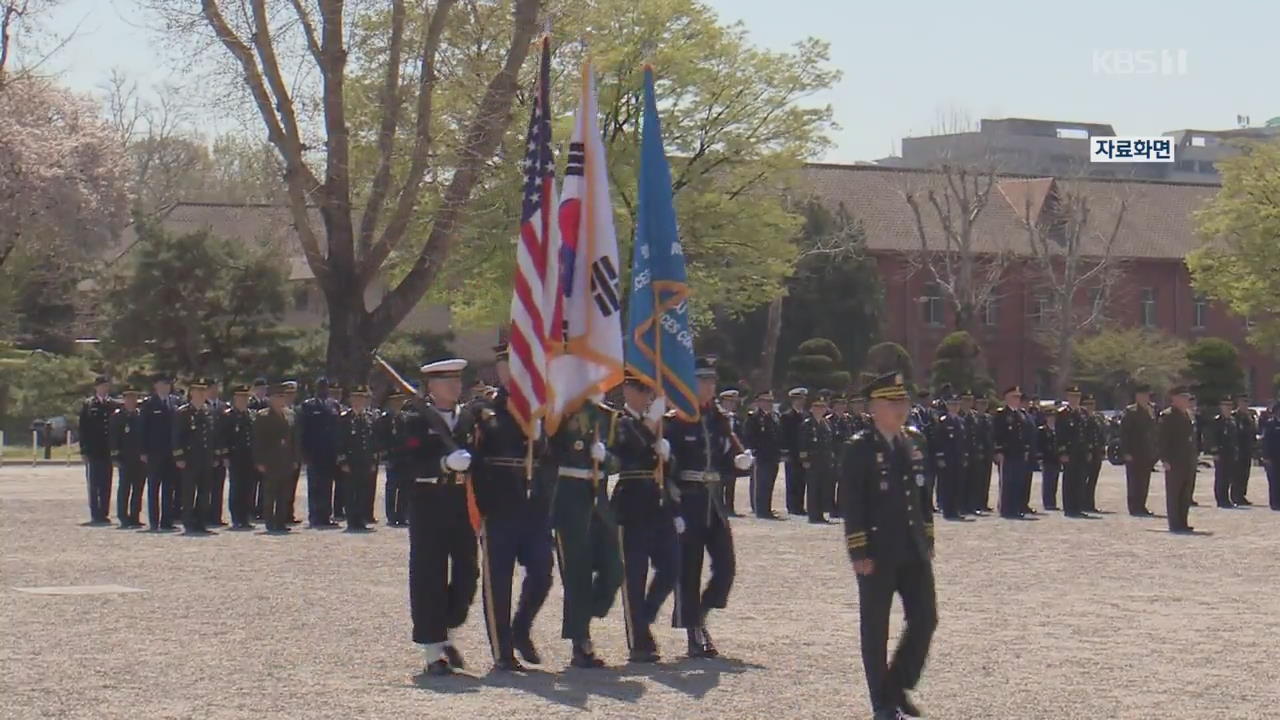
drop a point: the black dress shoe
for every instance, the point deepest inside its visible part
(524, 645)
(1243, 501)
(908, 708)
(509, 665)
(1226, 506)
(645, 656)
(439, 668)
(701, 647)
(1195, 504)
(454, 657)
(585, 657)
(1052, 507)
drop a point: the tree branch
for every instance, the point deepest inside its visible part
(390, 101)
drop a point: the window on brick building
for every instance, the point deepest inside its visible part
(1147, 309)
(1200, 312)
(931, 304)
(990, 310)
(1039, 310)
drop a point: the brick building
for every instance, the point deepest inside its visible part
(1155, 291)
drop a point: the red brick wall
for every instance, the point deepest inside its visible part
(1014, 357)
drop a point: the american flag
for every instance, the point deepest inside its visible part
(534, 304)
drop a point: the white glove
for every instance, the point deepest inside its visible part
(458, 461)
(663, 448)
(657, 409)
(744, 461)
(598, 452)
(679, 525)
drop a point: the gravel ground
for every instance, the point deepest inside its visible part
(1051, 618)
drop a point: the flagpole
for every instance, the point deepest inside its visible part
(659, 312)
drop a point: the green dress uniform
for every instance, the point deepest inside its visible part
(1246, 448)
(276, 453)
(887, 521)
(586, 533)
(1223, 445)
(1176, 439)
(1138, 444)
(196, 446)
(358, 462)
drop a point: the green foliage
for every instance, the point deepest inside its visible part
(887, 357)
(735, 119)
(196, 303)
(1111, 362)
(1239, 264)
(958, 362)
(1214, 367)
(817, 365)
(38, 384)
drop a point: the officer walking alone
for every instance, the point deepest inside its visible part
(889, 537)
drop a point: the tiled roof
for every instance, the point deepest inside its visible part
(1157, 224)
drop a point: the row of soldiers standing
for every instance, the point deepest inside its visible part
(184, 453)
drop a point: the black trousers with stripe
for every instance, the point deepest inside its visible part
(706, 534)
(648, 542)
(522, 535)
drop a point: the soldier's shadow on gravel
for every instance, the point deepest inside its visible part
(571, 687)
(694, 678)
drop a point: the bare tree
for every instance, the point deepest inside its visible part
(1073, 255)
(951, 119)
(265, 36)
(968, 274)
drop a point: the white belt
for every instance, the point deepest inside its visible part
(428, 481)
(699, 477)
(577, 473)
(445, 480)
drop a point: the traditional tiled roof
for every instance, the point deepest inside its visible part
(1157, 223)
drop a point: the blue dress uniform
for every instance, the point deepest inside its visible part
(318, 420)
(195, 445)
(162, 475)
(646, 515)
(515, 506)
(1269, 427)
(1071, 439)
(1222, 443)
(358, 461)
(235, 437)
(887, 522)
(95, 448)
(586, 532)
(1013, 453)
(762, 433)
(1247, 430)
(389, 432)
(443, 572)
(699, 449)
(127, 452)
(948, 448)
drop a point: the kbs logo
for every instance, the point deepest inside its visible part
(1122, 61)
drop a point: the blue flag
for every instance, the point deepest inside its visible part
(659, 343)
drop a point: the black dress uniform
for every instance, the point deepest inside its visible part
(1269, 428)
(1071, 436)
(1010, 441)
(763, 434)
(389, 433)
(127, 452)
(95, 448)
(162, 475)
(1096, 438)
(318, 421)
(947, 445)
(515, 506)
(195, 445)
(817, 456)
(698, 449)
(358, 461)
(729, 474)
(1247, 430)
(1050, 468)
(1223, 444)
(789, 428)
(984, 455)
(443, 572)
(235, 437)
(842, 429)
(887, 522)
(259, 400)
(646, 514)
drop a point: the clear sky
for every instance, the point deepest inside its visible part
(907, 61)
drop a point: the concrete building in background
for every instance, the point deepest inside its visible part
(1061, 149)
(1154, 291)
(272, 225)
